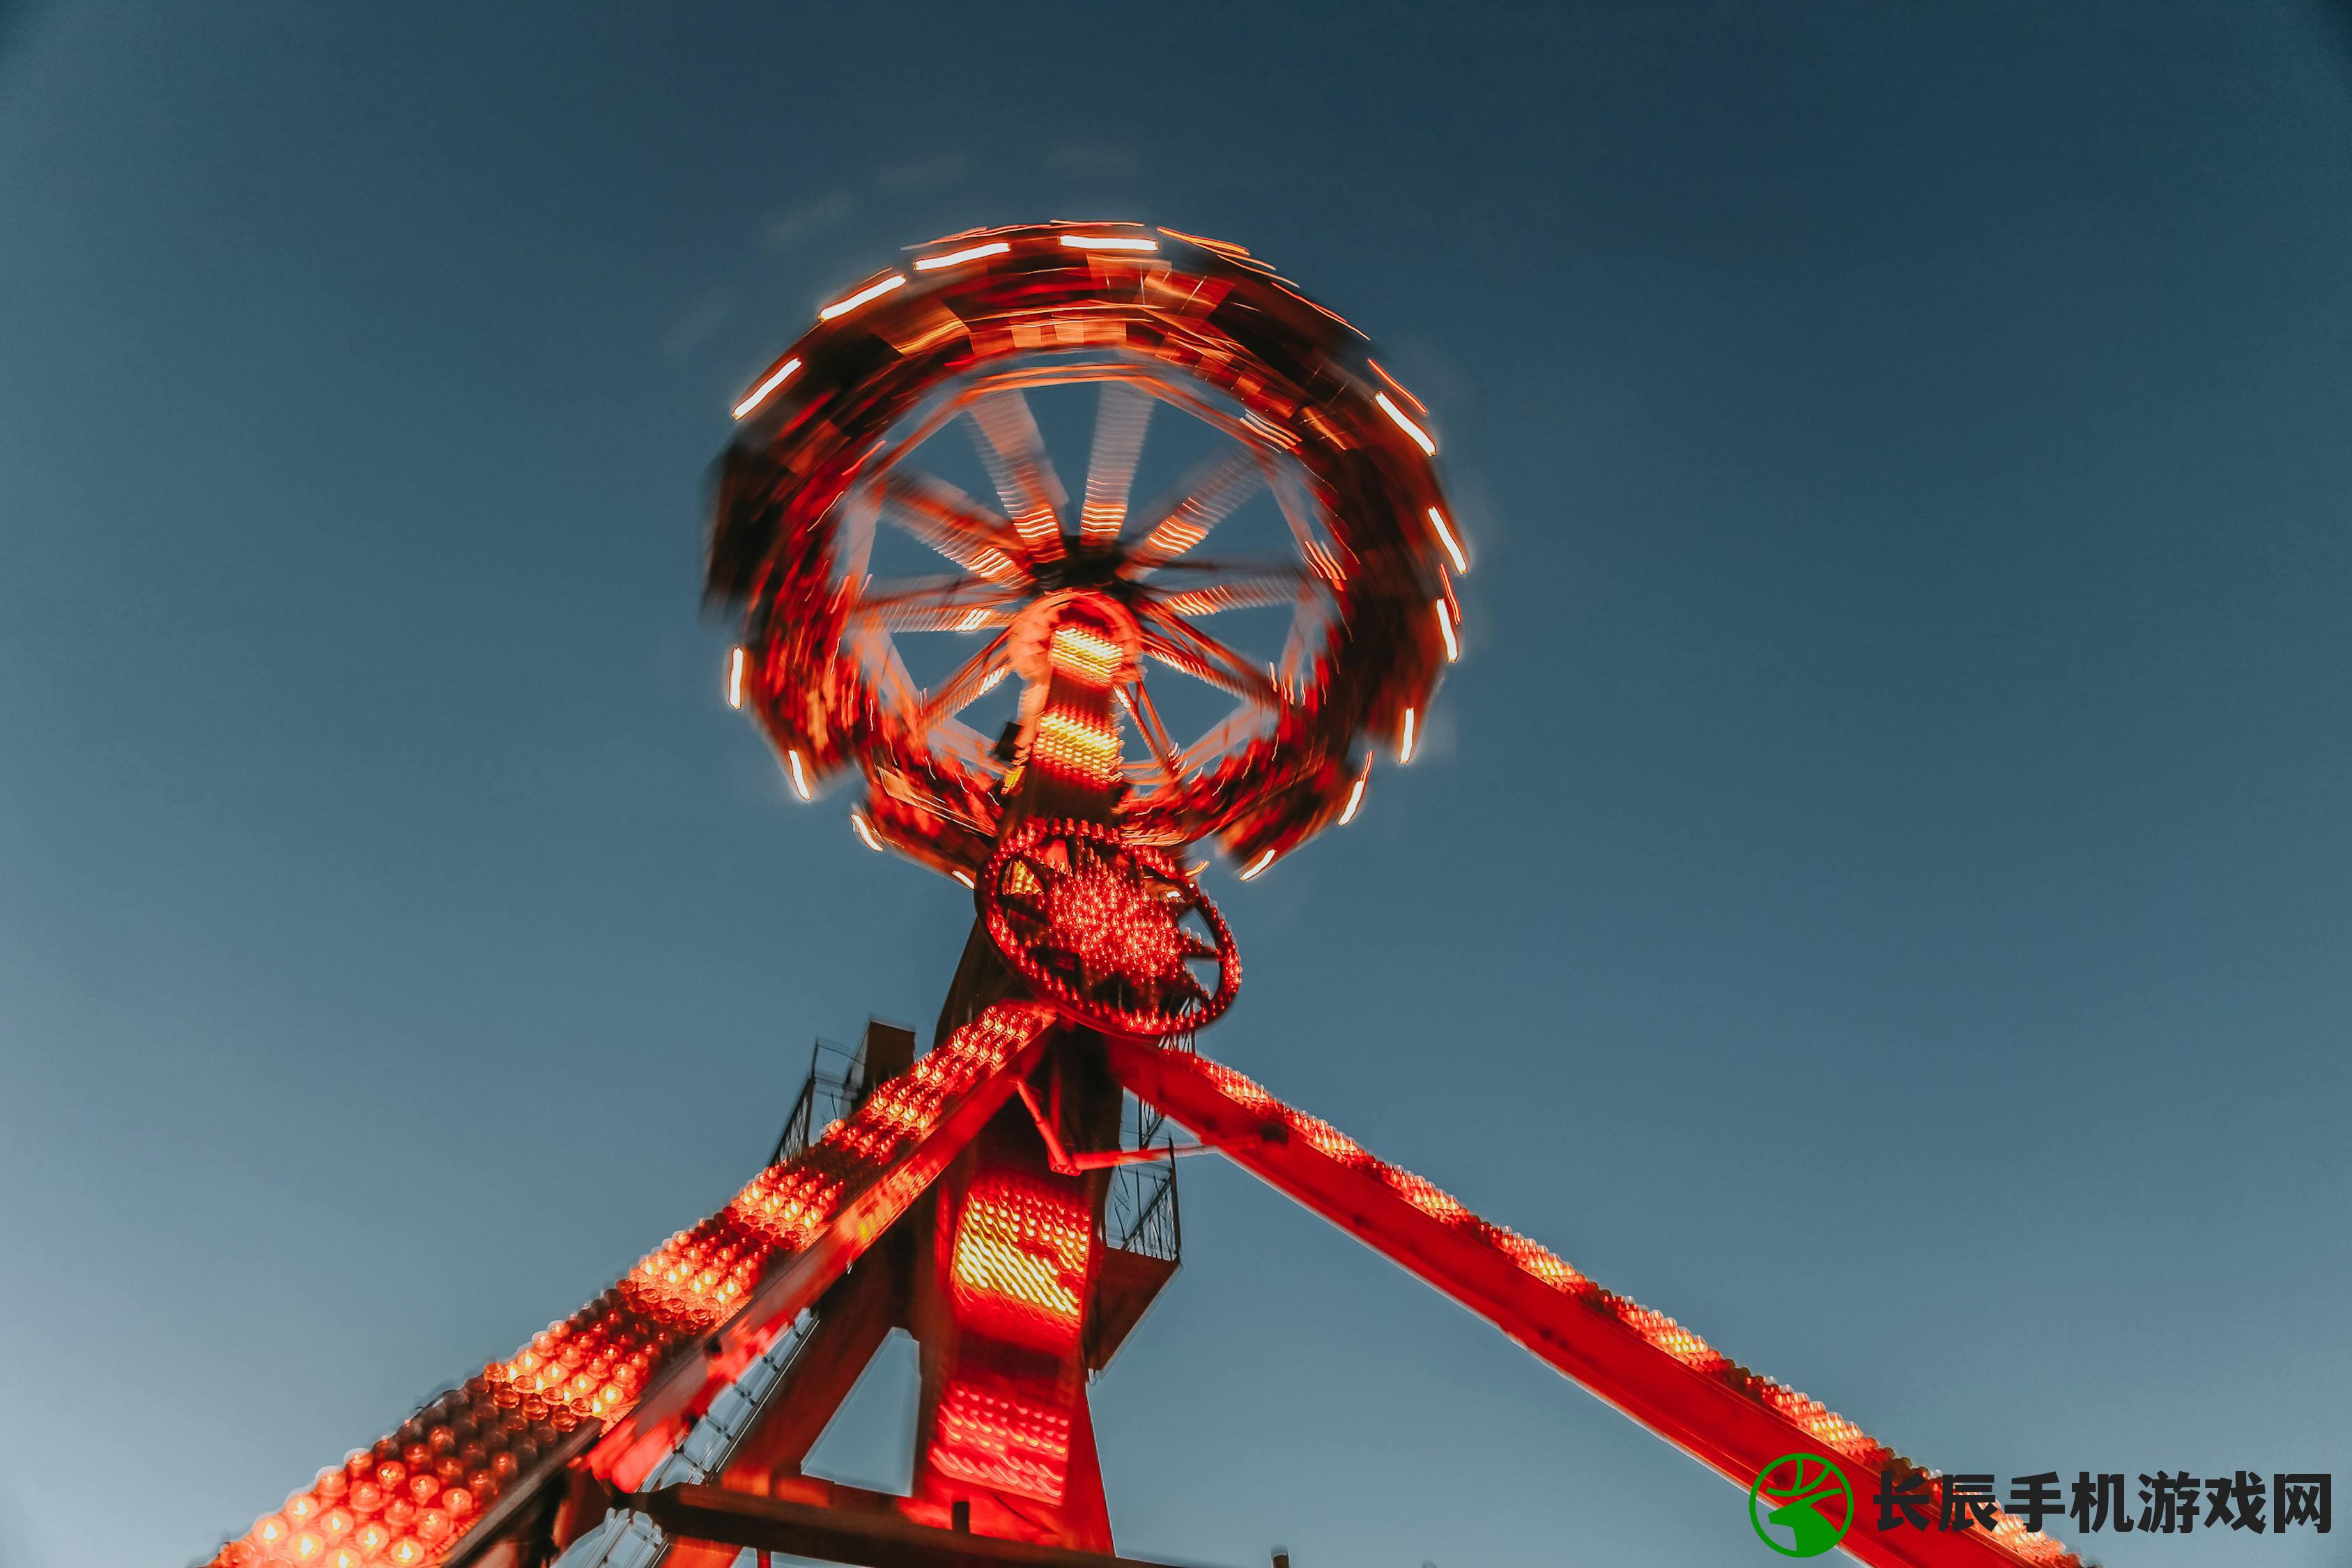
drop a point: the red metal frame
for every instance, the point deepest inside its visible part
(1091, 910)
(1175, 311)
(999, 1265)
(912, 1133)
(634, 1444)
(1644, 1364)
(629, 1372)
(1003, 1430)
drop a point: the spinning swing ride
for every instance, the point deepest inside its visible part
(991, 1196)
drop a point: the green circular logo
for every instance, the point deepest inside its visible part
(1806, 1495)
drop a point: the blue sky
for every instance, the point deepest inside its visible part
(1878, 886)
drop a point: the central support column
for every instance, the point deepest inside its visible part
(1004, 1444)
(1004, 1432)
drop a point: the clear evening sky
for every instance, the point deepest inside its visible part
(1878, 886)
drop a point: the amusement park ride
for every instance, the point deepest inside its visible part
(992, 1198)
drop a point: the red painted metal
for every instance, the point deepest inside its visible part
(853, 1320)
(1095, 925)
(1004, 1431)
(1644, 1364)
(1168, 320)
(998, 1264)
(919, 1140)
(630, 1370)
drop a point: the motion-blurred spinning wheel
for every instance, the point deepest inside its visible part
(831, 451)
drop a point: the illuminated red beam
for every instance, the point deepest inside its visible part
(1644, 1364)
(629, 1373)
(636, 1442)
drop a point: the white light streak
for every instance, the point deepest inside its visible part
(735, 678)
(1445, 537)
(1108, 242)
(1355, 799)
(1419, 436)
(840, 308)
(858, 820)
(1260, 864)
(1402, 390)
(1445, 625)
(1404, 751)
(958, 257)
(800, 775)
(972, 622)
(963, 877)
(759, 394)
(999, 673)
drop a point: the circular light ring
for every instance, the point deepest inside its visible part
(1307, 393)
(1023, 844)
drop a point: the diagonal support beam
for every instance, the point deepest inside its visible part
(1641, 1361)
(633, 1445)
(853, 1322)
(698, 1309)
